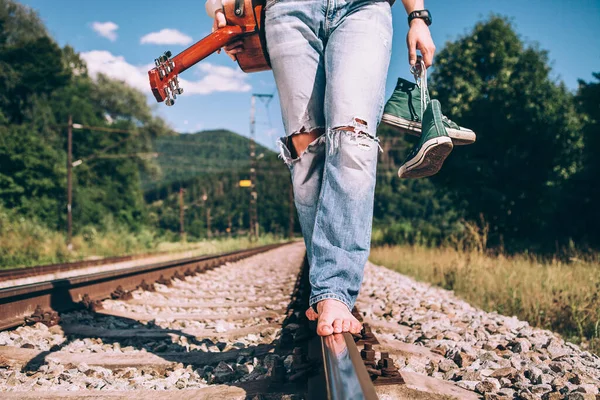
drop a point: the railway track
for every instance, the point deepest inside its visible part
(208, 326)
(233, 327)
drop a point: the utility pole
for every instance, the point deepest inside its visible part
(208, 231)
(71, 165)
(291, 218)
(253, 194)
(253, 190)
(69, 183)
(181, 215)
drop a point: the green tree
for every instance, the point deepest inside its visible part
(580, 213)
(528, 142)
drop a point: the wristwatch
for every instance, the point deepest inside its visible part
(425, 15)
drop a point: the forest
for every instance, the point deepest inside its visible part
(529, 184)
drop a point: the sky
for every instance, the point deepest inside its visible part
(121, 38)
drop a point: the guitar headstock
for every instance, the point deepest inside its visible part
(163, 80)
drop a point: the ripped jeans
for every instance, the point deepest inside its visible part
(330, 60)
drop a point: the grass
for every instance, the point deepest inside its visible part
(562, 297)
(23, 243)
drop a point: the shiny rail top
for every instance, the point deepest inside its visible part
(345, 372)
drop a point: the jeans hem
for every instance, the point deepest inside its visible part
(325, 296)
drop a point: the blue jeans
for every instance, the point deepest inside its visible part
(330, 60)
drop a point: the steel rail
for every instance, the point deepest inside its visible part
(346, 376)
(60, 295)
(26, 272)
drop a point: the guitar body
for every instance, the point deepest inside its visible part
(254, 58)
(245, 20)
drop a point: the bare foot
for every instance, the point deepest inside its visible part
(311, 314)
(334, 317)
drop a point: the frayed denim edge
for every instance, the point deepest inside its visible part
(284, 152)
(325, 296)
(334, 139)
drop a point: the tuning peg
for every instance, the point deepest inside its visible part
(168, 54)
(178, 91)
(169, 100)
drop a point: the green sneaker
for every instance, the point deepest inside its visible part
(427, 157)
(403, 110)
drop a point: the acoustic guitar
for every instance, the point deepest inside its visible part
(245, 20)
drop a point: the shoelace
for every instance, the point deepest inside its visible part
(420, 73)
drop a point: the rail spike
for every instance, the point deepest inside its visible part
(89, 304)
(48, 318)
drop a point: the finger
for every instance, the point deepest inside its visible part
(234, 46)
(220, 19)
(427, 57)
(412, 52)
(235, 51)
(356, 327)
(232, 56)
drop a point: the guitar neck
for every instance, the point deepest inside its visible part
(205, 47)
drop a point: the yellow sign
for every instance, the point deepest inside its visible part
(245, 183)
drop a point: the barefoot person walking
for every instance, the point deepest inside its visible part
(330, 60)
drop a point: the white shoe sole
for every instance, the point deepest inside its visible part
(429, 159)
(459, 137)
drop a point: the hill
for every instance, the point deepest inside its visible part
(184, 157)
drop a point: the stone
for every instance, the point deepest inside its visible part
(507, 392)
(504, 373)
(471, 376)
(580, 396)
(534, 375)
(446, 365)
(552, 396)
(587, 388)
(463, 360)
(489, 356)
(223, 373)
(455, 337)
(489, 385)
(540, 389)
(555, 349)
(558, 367)
(495, 396)
(526, 395)
(520, 345)
(469, 385)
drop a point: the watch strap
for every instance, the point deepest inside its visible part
(425, 15)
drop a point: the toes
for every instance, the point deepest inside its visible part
(311, 314)
(356, 327)
(346, 325)
(325, 325)
(324, 329)
(337, 326)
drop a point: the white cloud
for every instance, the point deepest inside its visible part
(213, 78)
(216, 78)
(166, 36)
(102, 61)
(106, 29)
